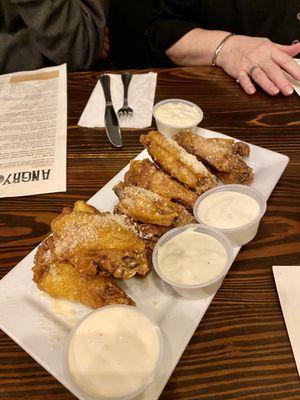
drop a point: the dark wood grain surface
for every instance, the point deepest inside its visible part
(241, 349)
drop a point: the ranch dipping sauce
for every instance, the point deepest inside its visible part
(228, 209)
(192, 258)
(178, 114)
(114, 352)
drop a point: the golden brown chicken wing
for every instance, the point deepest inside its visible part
(220, 155)
(103, 241)
(240, 148)
(150, 208)
(84, 207)
(178, 162)
(145, 174)
(62, 280)
(242, 178)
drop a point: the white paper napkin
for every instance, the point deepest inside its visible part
(141, 94)
(287, 279)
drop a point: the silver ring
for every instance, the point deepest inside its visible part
(250, 72)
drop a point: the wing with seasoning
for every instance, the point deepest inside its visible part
(223, 156)
(148, 207)
(93, 242)
(61, 280)
(145, 174)
(178, 163)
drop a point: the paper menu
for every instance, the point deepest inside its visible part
(287, 279)
(33, 132)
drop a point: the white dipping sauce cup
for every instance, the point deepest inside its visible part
(242, 234)
(169, 129)
(129, 396)
(195, 291)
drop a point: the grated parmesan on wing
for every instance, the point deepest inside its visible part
(187, 158)
(132, 191)
(89, 229)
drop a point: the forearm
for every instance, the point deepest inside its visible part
(65, 30)
(196, 48)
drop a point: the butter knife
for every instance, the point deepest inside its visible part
(112, 128)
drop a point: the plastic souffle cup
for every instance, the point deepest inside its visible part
(79, 390)
(243, 234)
(202, 290)
(169, 129)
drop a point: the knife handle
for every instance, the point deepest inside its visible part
(105, 82)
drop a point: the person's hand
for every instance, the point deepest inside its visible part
(105, 49)
(258, 60)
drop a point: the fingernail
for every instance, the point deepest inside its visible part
(289, 91)
(251, 91)
(275, 91)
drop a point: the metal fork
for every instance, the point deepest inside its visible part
(125, 111)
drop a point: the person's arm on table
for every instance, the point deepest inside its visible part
(174, 34)
(237, 56)
(55, 32)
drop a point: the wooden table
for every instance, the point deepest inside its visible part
(241, 349)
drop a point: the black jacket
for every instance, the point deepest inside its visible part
(169, 20)
(37, 33)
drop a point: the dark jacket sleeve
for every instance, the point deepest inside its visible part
(54, 32)
(169, 20)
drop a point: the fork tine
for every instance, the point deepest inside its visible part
(125, 111)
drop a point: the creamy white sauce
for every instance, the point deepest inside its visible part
(228, 209)
(178, 113)
(192, 258)
(114, 352)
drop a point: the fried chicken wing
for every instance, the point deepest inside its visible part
(150, 232)
(145, 174)
(240, 148)
(220, 155)
(178, 162)
(84, 207)
(147, 232)
(235, 177)
(150, 208)
(104, 241)
(62, 280)
(223, 142)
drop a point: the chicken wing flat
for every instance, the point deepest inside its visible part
(220, 155)
(235, 177)
(62, 280)
(240, 148)
(147, 232)
(150, 208)
(145, 174)
(92, 241)
(175, 160)
(150, 232)
(84, 207)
